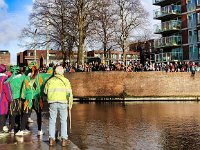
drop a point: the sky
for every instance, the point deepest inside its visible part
(14, 17)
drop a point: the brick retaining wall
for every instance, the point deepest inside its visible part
(134, 84)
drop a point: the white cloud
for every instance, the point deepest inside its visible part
(11, 25)
(3, 5)
(149, 7)
(28, 8)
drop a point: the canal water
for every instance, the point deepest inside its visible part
(136, 125)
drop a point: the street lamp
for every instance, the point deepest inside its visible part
(47, 39)
(35, 44)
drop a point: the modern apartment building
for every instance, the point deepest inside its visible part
(179, 28)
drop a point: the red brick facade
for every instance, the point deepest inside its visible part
(24, 58)
(5, 57)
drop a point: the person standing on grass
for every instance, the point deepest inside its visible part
(59, 97)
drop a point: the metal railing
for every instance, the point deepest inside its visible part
(169, 56)
(167, 10)
(168, 41)
(168, 26)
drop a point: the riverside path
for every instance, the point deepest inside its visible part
(32, 141)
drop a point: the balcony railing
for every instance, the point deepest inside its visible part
(170, 41)
(164, 2)
(158, 1)
(167, 11)
(169, 56)
(172, 25)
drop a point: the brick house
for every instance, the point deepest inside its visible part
(4, 57)
(27, 56)
(114, 56)
(146, 50)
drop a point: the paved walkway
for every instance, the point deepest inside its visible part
(32, 141)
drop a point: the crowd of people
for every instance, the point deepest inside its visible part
(134, 66)
(22, 92)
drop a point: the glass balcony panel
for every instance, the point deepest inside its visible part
(164, 57)
(157, 28)
(160, 56)
(157, 13)
(168, 56)
(163, 42)
(157, 1)
(167, 10)
(168, 41)
(175, 25)
(167, 26)
(163, 26)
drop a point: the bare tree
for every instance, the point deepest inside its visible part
(104, 25)
(83, 11)
(131, 15)
(52, 19)
(64, 24)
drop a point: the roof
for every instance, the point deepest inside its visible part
(4, 51)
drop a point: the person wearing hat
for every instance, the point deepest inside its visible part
(16, 81)
(32, 97)
(59, 97)
(5, 98)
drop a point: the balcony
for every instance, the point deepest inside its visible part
(168, 27)
(164, 2)
(167, 12)
(169, 57)
(167, 42)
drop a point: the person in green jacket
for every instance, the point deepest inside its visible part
(59, 97)
(16, 81)
(32, 90)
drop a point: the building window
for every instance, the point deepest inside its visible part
(114, 56)
(30, 54)
(198, 17)
(198, 35)
(198, 2)
(193, 52)
(199, 52)
(52, 55)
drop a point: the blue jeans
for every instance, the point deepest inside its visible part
(54, 108)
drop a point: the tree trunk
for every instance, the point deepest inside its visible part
(80, 57)
(64, 58)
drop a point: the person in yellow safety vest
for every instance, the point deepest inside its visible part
(59, 97)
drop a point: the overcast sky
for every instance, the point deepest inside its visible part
(14, 17)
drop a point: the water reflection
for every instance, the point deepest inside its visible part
(136, 125)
